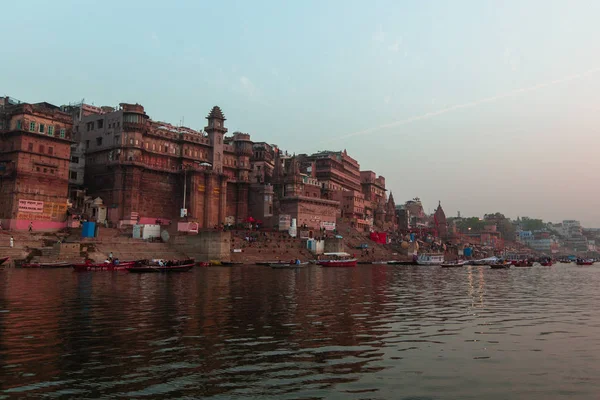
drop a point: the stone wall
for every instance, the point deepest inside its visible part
(205, 246)
(334, 245)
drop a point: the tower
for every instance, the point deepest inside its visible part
(216, 130)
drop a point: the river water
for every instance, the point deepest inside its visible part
(371, 332)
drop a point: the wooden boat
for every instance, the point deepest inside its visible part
(288, 265)
(505, 265)
(546, 263)
(121, 266)
(58, 264)
(430, 259)
(453, 264)
(3, 260)
(229, 263)
(522, 263)
(154, 266)
(203, 264)
(584, 262)
(340, 259)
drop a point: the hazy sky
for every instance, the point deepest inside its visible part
(485, 105)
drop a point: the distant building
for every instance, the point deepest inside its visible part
(35, 146)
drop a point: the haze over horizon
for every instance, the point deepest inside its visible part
(485, 106)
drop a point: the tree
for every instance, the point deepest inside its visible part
(531, 224)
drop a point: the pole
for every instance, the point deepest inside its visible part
(184, 184)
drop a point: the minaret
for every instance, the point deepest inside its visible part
(216, 130)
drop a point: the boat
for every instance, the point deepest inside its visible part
(230, 263)
(486, 261)
(169, 266)
(430, 259)
(584, 262)
(340, 259)
(202, 264)
(121, 266)
(268, 263)
(3, 260)
(453, 264)
(522, 263)
(548, 263)
(288, 265)
(504, 265)
(58, 264)
(379, 262)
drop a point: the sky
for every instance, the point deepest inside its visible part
(487, 106)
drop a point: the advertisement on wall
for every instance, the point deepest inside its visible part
(31, 206)
(328, 226)
(41, 210)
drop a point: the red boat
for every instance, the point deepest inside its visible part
(546, 264)
(59, 264)
(523, 263)
(160, 266)
(121, 266)
(203, 264)
(3, 260)
(337, 260)
(585, 262)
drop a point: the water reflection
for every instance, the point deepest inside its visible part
(373, 332)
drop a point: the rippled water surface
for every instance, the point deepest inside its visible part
(371, 332)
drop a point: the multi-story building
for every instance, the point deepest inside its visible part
(148, 171)
(298, 196)
(262, 161)
(35, 147)
(335, 170)
(373, 187)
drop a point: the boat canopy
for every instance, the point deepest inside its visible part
(340, 254)
(488, 259)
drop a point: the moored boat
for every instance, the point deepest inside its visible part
(453, 264)
(430, 259)
(548, 263)
(288, 265)
(202, 264)
(522, 263)
(58, 264)
(159, 266)
(89, 266)
(339, 259)
(584, 262)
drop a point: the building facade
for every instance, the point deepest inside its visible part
(147, 171)
(35, 147)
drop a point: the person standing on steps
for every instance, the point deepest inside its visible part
(31, 227)
(12, 242)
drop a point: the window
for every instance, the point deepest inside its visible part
(37, 169)
(19, 124)
(195, 154)
(30, 147)
(32, 126)
(137, 142)
(87, 144)
(146, 145)
(45, 170)
(42, 127)
(130, 141)
(50, 150)
(72, 174)
(100, 123)
(99, 141)
(50, 130)
(62, 132)
(41, 149)
(117, 139)
(153, 146)
(52, 171)
(75, 159)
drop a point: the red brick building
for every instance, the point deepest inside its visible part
(34, 165)
(299, 196)
(140, 168)
(335, 170)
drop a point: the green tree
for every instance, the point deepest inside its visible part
(531, 224)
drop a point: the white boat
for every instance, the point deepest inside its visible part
(430, 259)
(451, 264)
